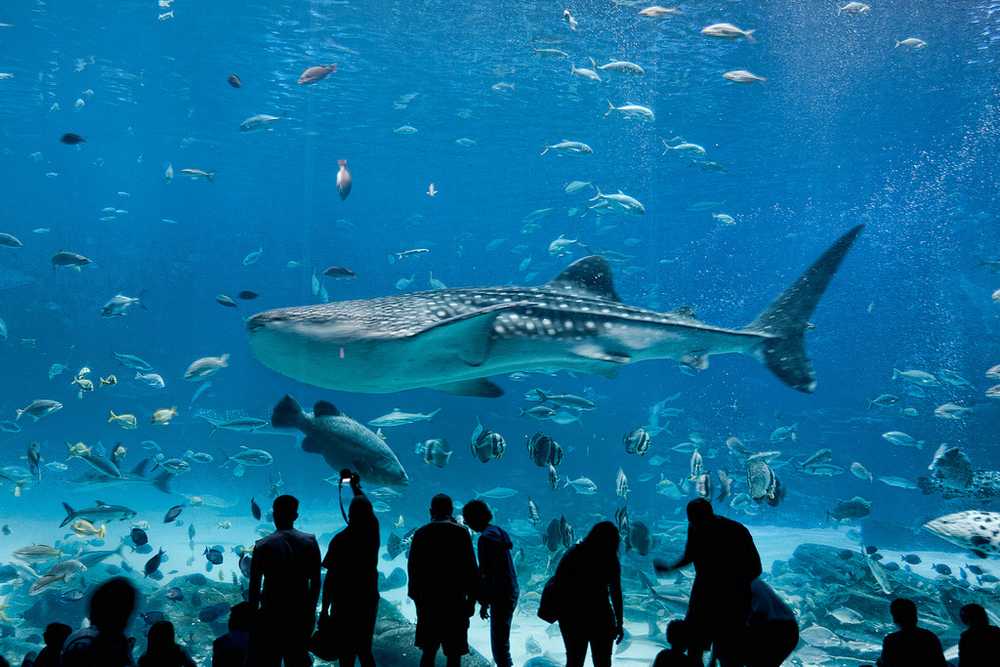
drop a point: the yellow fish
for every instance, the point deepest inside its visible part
(84, 528)
(163, 416)
(111, 380)
(125, 421)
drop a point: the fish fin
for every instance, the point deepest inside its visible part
(480, 387)
(598, 353)
(590, 275)
(140, 469)
(70, 513)
(325, 409)
(287, 413)
(311, 445)
(785, 320)
(470, 335)
(162, 482)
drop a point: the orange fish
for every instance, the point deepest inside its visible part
(343, 180)
(316, 73)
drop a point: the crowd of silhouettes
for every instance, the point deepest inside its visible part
(731, 612)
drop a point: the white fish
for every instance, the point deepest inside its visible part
(656, 11)
(951, 411)
(901, 439)
(724, 218)
(682, 146)
(742, 76)
(574, 186)
(404, 283)
(405, 130)
(567, 147)
(854, 8)
(431, 190)
(165, 16)
(622, 66)
(154, 380)
(582, 485)
(586, 72)
(911, 43)
(552, 53)
(433, 282)
(205, 367)
(898, 482)
(618, 201)
(570, 21)
(258, 122)
(399, 418)
(630, 111)
(168, 173)
(726, 30)
(253, 257)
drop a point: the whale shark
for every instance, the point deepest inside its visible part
(454, 340)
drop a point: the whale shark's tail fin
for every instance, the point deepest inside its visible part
(785, 321)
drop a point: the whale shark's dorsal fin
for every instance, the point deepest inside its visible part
(591, 275)
(325, 409)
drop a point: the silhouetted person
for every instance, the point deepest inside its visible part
(231, 649)
(498, 589)
(350, 590)
(725, 561)
(55, 636)
(773, 630)
(287, 561)
(162, 649)
(589, 582)
(104, 642)
(980, 643)
(679, 639)
(910, 645)
(443, 579)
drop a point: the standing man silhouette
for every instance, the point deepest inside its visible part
(726, 562)
(285, 587)
(443, 580)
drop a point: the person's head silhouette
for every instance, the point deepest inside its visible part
(241, 617)
(112, 605)
(55, 635)
(161, 638)
(974, 616)
(699, 511)
(286, 511)
(603, 538)
(477, 515)
(441, 507)
(904, 613)
(677, 634)
(360, 511)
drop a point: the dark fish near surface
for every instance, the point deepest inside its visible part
(234, 80)
(153, 564)
(339, 272)
(454, 339)
(10, 241)
(101, 511)
(248, 295)
(316, 73)
(139, 537)
(255, 509)
(72, 139)
(173, 513)
(71, 259)
(341, 441)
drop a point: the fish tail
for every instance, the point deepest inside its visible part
(162, 482)
(111, 416)
(70, 513)
(19, 413)
(783, 323)
(210, 176)
(287, 413)
(545, 150)
(897, 44)
(611, 107)
(749, 35)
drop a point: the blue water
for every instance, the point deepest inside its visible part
(847, 129)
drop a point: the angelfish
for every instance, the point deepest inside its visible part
(343, 180)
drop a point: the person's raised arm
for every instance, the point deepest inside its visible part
(663, 567)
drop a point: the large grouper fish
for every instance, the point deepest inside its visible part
(341, 441)
(454, 339)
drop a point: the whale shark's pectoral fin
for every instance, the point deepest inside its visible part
(471, 335)
(480, 387)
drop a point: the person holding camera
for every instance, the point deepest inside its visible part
(350, 591)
